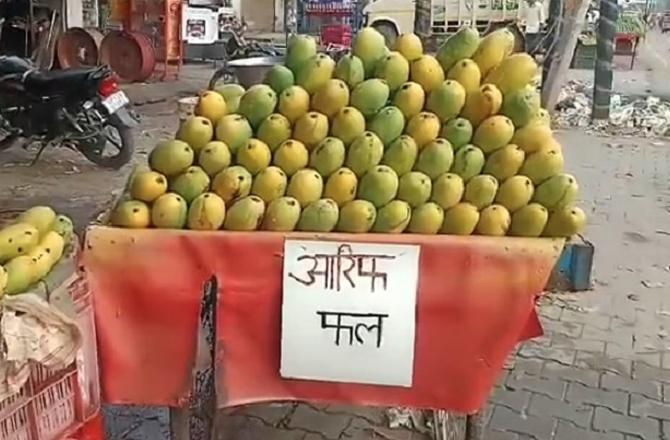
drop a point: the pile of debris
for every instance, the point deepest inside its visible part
(644, 117)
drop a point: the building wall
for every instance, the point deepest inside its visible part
(259, 14)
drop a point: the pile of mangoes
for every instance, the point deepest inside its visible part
(382, 141)
(30, 247)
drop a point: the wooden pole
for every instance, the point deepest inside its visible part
(573, 22)
(602, 91)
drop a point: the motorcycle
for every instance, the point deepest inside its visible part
(82, 109)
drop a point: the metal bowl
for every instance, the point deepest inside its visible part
(250, 71)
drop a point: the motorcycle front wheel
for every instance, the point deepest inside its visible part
(116, 135)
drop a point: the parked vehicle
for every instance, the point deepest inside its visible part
(665, 22)
(82, 109)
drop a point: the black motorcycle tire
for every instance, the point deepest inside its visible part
(222, 73)
(124, 155)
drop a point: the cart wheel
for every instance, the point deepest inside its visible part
(222, 76)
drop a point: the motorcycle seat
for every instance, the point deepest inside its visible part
(10, 65)
(59, 81)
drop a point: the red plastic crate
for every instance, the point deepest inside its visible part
(54, 404)
(340, 34)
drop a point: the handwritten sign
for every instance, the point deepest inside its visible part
(349, 312)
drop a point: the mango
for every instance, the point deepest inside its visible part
(409, 98)
(246, 214)
(274, 130)
(306, 186)
(378, 186)
(493, 133)
(480, 191)
(565, 222)
(196, 131)
(529, 221)
(279, 78)
(328, 156)
(315, 73)
(369, 45)
(40, 217)
(370, 96)
(557, 192)
(350, 70)
(131, 214)
(447, 190)
(191, 183)
(423, 128)
(347, 125)
(364, 153)
(255, 156)
(414, 188)
(401, 155)
(234, 131)
(388, 124)
(493, 49)
(458, 132)
(394, 69)
(513, 73)
(214, 157)
(293, 103)
(331, 98)
(466, 73)
(3, 281)
(42, 264)
(257, 103)
(426, 72)
(291, 156)
(17, 239)
(231, 94)
(54, 245)
(426, 219)
(341, 186)
(211, 105)
(232, 183)
(64, 227)
(543, 117)
(206, 213)
(494, 221)
(356, 216)
(171, 157)
(299, 49)
(462, 44)
(20, 274)
(468, 162)
(393, 218)
(505, 162)
(319, 216)
(481, 104)
(515, 193)
(169, 211)
(543, 164)
(311, 129)
(533, 136)
(446, 100)
(435, 158)
(281, 215)
(521, 106)
(460, 219)
(409, 45)
(269, 184)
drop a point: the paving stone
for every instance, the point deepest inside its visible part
(491, 434)
(591, 319)
(550, 312)
(566, 431)
(308, 419)
(602, 363)
(272, 413)
(549, 387)
(577, 414)
(641, 406)
(373, 415)
(641, 370)
(579, 394)
(567, 327)
(548, 353)
(255, 429)
(607, 421)
(579, 344)
(621, 383)
(538, 428)
(571, 374)
(513, 399)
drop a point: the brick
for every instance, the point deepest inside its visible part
(519, 365)
(570, 374)
(607, 421)
(621, 383)
(575, 413)
(641, 370)
(548, 353)
(641, 406)
(616, 401)
(538, 428)
(513, 399)
(579, 344)
(571, 329)
(548, 387)
(490, 434)
(550, 312)
(566, 431)
(308, 419)
(603, 363)
(597, 320)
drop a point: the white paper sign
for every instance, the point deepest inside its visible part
(349, 312)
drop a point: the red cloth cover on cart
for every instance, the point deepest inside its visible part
(475, 302)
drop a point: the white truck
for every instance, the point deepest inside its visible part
(435, 18)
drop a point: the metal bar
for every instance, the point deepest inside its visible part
(602, 91)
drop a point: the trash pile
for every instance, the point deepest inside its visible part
(644, 117)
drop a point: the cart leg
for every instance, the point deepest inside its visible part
(474, 427)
